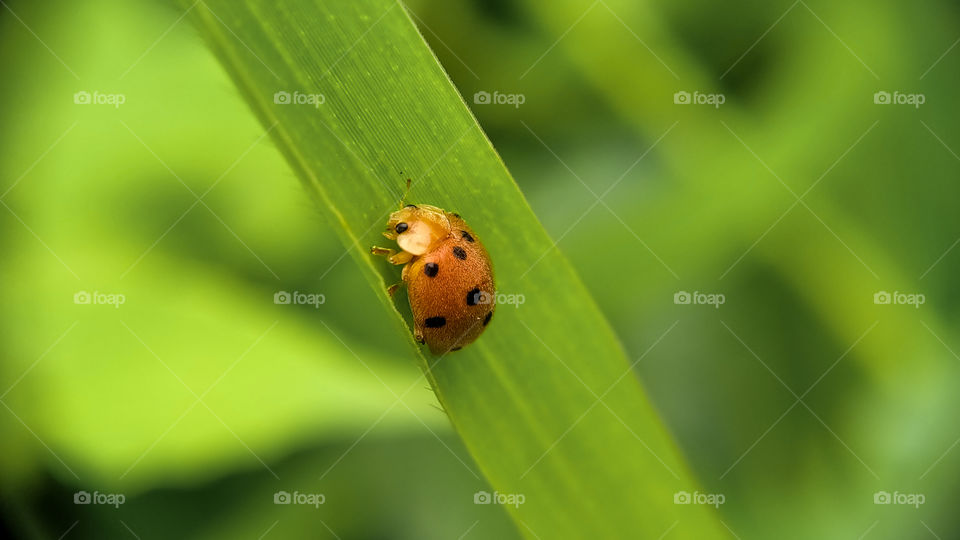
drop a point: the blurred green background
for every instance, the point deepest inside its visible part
(198, 398)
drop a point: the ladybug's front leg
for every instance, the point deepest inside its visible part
(382, 251)
(393, 256)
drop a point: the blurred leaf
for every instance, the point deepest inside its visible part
(129, 415)
(755, 159)
(545, 400)
(105, 209)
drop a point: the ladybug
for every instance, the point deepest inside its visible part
(447, 272)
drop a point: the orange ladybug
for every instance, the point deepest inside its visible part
(448, 275)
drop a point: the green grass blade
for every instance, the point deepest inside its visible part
(545, 401)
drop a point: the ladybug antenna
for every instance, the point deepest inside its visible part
(406, 192)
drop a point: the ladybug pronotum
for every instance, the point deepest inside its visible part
(448, 275)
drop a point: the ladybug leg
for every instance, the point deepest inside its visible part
(393, 256)
(403, 277)
(381, 251)
(402, 257)
(393, 288)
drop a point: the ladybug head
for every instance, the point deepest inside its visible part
(417, 228)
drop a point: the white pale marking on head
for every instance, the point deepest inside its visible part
(416, 239)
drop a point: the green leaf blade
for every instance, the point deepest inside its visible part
(545, 400)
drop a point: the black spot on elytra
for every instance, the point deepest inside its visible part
(487, 318)
(459, 253)
(466, 236)
(431, 269)
(473, 297)
(435, 322)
